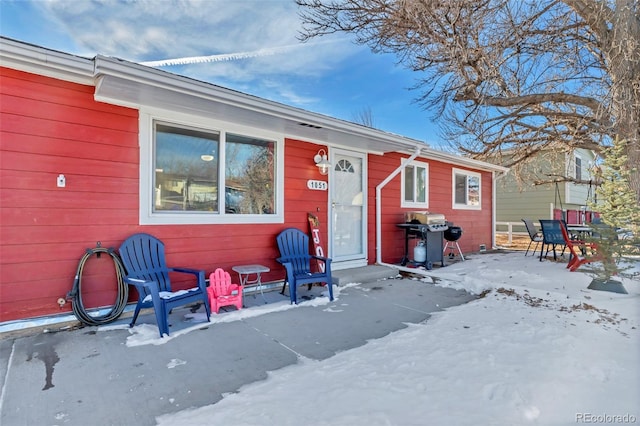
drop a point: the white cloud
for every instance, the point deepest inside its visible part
(258, 39)
(159, 30)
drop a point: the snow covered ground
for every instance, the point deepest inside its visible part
(539, 348)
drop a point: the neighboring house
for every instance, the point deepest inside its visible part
(521, 198)
(94, 150)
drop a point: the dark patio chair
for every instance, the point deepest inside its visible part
(144, 261)
(294, 256)
(534, 235)
(551, 237)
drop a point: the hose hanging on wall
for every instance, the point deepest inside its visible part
(75, 295)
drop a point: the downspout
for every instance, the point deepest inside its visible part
(379, 204)
(494, 204)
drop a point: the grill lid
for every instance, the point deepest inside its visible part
(425, 218)
(453, 233)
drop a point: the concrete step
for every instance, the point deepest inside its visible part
(363, 274)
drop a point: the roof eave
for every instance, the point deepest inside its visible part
(150, 76)
(51, 63)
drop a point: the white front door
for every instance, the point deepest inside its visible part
(348, 195)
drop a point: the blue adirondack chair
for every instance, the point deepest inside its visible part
(144, 261)
(294, 256)
(552, 237)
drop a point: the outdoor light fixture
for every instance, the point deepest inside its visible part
(322, 162)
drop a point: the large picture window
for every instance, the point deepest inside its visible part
(186, 169)
(466, 190)
(202, 175)
(415, 187)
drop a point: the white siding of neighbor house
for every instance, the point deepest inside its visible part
(580, 194)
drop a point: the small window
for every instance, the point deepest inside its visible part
(466, 190)
(578, 168)
(344, 166)
(415, 186)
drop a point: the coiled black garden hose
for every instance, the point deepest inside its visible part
(75, 295)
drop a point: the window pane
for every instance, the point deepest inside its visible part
(186, 169)
(578, 168)
(461, 189)
(408, 183)
(250, 175)
(473, 190)
(421, 185)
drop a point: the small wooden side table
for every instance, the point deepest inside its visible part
(245, 272)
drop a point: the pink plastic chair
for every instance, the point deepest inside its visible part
(222, 292)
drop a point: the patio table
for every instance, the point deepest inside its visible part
(579, 231)
(245, 272)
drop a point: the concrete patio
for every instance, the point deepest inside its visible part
(94, 375)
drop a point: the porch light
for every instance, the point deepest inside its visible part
(322, 162)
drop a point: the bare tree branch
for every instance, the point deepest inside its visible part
(518, 76)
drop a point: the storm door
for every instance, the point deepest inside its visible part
(348, 195)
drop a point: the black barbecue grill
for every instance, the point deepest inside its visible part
(428, 229)
(452, 235)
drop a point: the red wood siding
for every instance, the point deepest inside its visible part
(49, 127)
(475, 224)
(300, 200)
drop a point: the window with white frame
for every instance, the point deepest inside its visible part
(466, 190)
(186, 169)
(415, 185)
(209, 174)
(578, 168)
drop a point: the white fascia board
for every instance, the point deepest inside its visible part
(144, 75)
(152, 77)
(50, 63)
(458, 160)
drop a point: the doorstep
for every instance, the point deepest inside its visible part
(363, 274)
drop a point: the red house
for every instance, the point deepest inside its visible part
(94, 150)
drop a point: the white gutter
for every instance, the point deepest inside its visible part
(139, 74)
(39, 60)
(379, 203)
(458, 160)
(50, 63)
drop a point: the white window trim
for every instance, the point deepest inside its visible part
(577, 157)
(413, 204)
(455, 206)
(146, 214)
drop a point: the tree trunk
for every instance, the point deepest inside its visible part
(624, 56)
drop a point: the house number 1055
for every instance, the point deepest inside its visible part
(317, 185)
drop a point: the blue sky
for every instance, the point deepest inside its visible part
(248, 45)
